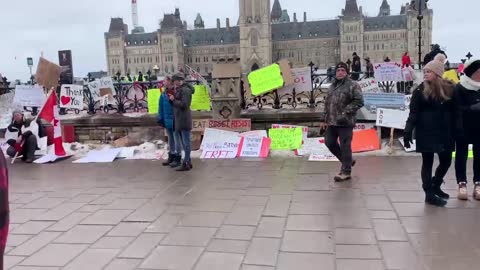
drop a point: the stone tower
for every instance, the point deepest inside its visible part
(351, 31)
(255, 34)
(276, 11)
(384, 9)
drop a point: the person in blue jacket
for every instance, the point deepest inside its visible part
(166, 120)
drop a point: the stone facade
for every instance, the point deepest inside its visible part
(261, 37)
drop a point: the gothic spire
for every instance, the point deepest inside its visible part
(199, 23)
(276, 11)
(384, 9)
(351, 9)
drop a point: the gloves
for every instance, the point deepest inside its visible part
(475, 107)
(407, 140)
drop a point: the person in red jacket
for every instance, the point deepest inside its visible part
(406, 61)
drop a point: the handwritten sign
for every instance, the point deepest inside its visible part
(94, 88)
(254, 147)
(320, 152)
(369, 86)
(200, 99)
(302, 82)
(29, 96)
(304, 129)
(199, 125)
(310, 145)
(392, 118)
(388, 72)
(363, 126)
(265, 80)
(285, 138)
(254, 134)
(220, 144)
(6, 109)
(71, 97)
(106, 86)
(231, 124)
(153, 98)
(384, 100)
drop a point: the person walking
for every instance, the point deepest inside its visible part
(4, 207)
(467, 93)
(435, 117)
(165, 120)
(181, 101)
(356, 67)
(406, 61)
(343, 101)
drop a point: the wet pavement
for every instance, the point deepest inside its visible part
(283, 214)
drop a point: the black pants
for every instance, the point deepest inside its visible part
(342, 151)
(461, 162)
(29, 148)
(445, 159)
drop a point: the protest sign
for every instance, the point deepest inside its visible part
(265, 80)
(6, 109)
(254, 134)
(365, 140)
(220, 144)
(231, 124)
(392, 118)
(322, 154)
(100, 156)
(302, 82)
(47, 74)
(310, 145)
(29, 96)
(369, 86)
(388, 72)
(153, 98)
(71, 97)
(254, 147)
(384, 100)
(200, 99)
(285, 138)
(199, 125)
(94, 88)
(363, 126)
(304, 129)
(106, 86)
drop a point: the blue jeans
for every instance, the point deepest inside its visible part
(186, 144)
(174, 142)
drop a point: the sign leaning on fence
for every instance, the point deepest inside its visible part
(71, 96)
(392, 118)
(388, 72)
(369, 86)
(302, 82)
(220, 144)
(29, 96)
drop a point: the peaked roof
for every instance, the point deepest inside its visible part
(199, 21)
(276, 11)
(351, 8)
(385, 5)
(116, 25)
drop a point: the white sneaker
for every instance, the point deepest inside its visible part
(462, 191)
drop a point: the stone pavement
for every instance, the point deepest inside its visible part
(283, 214)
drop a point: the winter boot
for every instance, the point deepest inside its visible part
(437, 183)
(462, 191)
(186, 166)
(476, 192)
(433, 199)
(342, 177)
(177, 159)
(169, 160)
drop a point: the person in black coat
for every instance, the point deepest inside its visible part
(467, 93)
(356, 67)
(435, 116)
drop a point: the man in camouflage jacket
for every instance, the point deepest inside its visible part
(343, 101)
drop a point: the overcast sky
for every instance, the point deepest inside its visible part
(30, 27)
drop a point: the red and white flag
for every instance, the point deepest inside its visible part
(49, 113)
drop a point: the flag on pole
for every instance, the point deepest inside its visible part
(49, 113)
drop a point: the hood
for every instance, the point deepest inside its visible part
(469, 84)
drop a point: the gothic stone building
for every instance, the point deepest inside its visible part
(263, 36)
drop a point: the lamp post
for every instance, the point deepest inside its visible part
(30, 65)
(420, 5)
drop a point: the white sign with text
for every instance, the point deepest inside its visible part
(71, 97)
(29, 96)
(392, 118)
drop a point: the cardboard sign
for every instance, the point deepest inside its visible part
(265, 80)
(29, 96)
(6, 109)
(153, 98)
(302, 82)
(200, 99)
(369, 86)
(384, 100)
(254, 147)
(47, 74)
(392, 118)
(365, 140)
(388, 72)
(71, 97)
(199, 125)
(220, 144)
(231, 124)
(285, 138)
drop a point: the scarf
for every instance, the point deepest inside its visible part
(469, 84)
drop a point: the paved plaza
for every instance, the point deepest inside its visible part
(281, 213)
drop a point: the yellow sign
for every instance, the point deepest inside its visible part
(285, 138)
(153, 97)
(265, 80)
(200, 99)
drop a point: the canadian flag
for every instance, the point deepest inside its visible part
(49, 113)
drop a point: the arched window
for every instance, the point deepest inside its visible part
(255, 67)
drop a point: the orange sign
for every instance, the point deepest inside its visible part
(365, 140)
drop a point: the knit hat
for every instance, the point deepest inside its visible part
(437, 66)
(178, 77)
(471, 67)
(342, 65)
(16, 111)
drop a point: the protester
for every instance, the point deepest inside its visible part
(435, 118)
(431, 55)
(165, 120)
(386, 59)
(4, 207)
(406, 61)
(356, 67)
(468, 96)
(181, 101)
(343, 101)
(23, 143)
(369, 68)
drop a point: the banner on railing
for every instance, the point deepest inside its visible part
(302, 82)
(270, 78)
(384, 100)
(388, 72)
